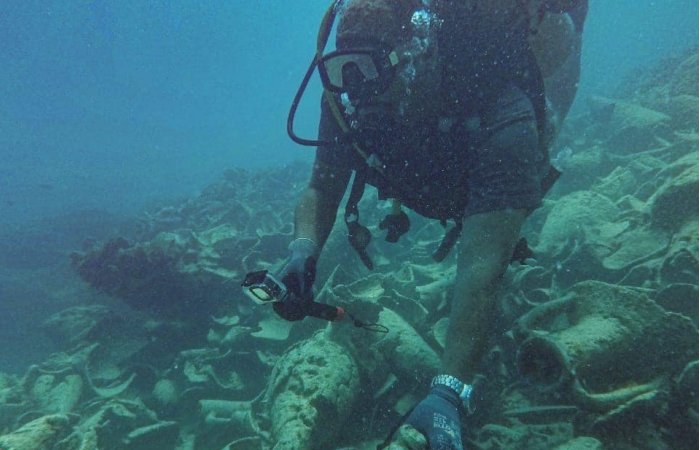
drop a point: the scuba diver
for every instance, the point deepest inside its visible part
(441, 106)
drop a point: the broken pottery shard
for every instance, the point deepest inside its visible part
(40, 434)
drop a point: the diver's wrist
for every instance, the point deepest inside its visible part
(462, 390)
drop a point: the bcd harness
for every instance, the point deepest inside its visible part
(397, 222)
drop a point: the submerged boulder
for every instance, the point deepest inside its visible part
(676, 200)
(631, 127)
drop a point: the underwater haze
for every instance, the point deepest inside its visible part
(108, 104)
(113, 104)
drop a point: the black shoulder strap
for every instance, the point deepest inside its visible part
(448, 241)
(356, 191)
(358, 235)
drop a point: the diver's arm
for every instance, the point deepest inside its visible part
(316, 211)
(314, 218)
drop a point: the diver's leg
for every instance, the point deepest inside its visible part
(487, 243)
(505, 179)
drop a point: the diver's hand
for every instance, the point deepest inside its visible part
(437, 417)
(298, 276)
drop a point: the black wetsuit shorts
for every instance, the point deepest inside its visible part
(497, 161)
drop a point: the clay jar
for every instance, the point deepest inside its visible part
(600, 338)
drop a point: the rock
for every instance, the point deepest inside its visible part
(576, 216)
(616, 184)
(408, 438)
(680, 265)
(623, 418)
(165, 392)
(57, 395)
(583, 168)
(247, 443)
(632, 128)
(683, 109)
(182, 265)
(681, 298)
(74, 324)
(9, 412)
(40, 434)
(684, 78)
(581, 443)
(676, 201)
(158, 435)
(531, 437)
(116, 423)
(543, 414)
(687, 387)
(635, 246)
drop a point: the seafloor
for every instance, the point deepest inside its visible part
(597, 346)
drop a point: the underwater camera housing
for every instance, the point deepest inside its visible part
(263, 288)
